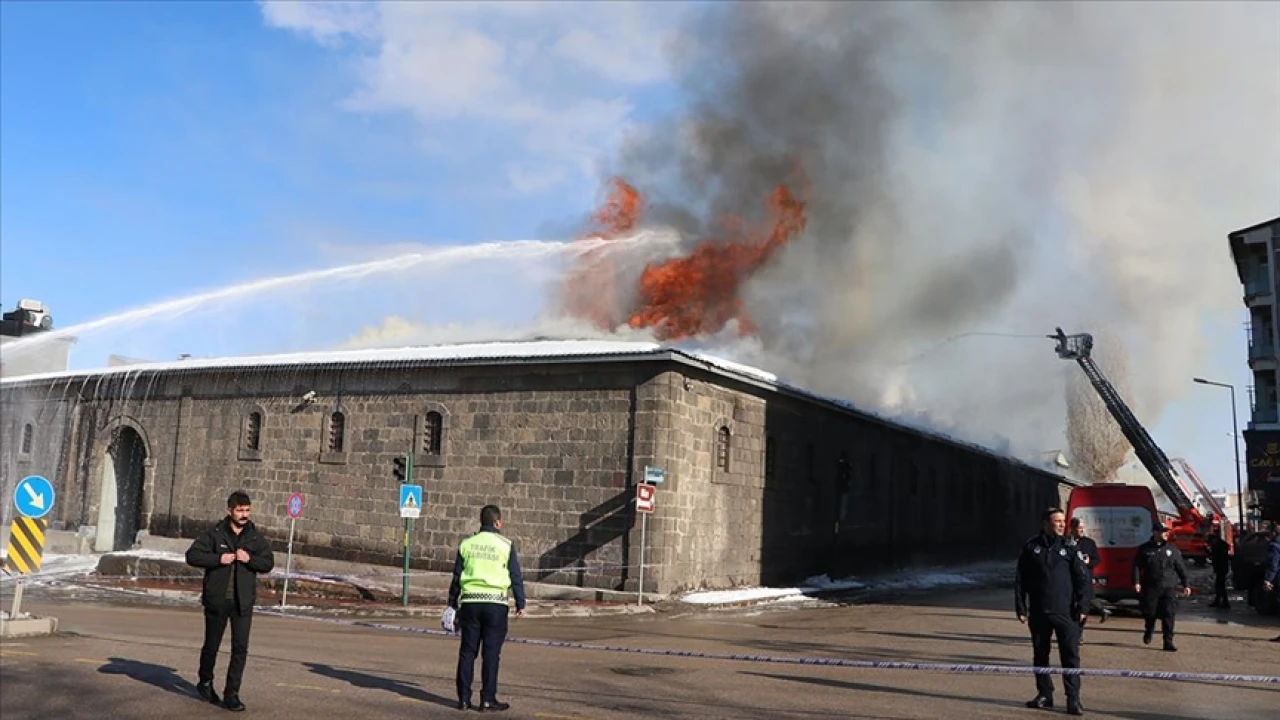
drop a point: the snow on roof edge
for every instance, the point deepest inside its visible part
(496, 351)
(507, 351)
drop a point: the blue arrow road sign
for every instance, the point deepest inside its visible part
(34, 496)
(410, 501)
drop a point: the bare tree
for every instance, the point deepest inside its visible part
(1097, 445)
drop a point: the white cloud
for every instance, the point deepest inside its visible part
(553, 78)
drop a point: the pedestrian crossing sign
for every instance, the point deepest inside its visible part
(410, 501)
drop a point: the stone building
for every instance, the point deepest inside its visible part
(764, 483)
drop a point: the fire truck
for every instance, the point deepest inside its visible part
(1191, 527)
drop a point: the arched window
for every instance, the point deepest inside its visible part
(252, 430)
(722, 448)
(432, 433)
(337, 429)
(28, 434)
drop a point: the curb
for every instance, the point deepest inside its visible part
(413, 611)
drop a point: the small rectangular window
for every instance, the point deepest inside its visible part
(253, 430)
(337, 429)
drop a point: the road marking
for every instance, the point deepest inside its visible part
(553, 716)
(87, 660)
(307, 687)
(7, 651)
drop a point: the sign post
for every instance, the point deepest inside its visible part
(646, 501)
(294, 508)
(410, 508)
(34, 498)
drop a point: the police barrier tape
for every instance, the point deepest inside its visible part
(529, 575)
(822, 661)
(776, 659)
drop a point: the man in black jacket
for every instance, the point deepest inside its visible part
(1056, 583)
(1158, 573)
(233, 553)
(1087, 550)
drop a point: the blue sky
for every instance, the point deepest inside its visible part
(148, 151)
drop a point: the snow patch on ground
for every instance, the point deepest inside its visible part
(921, 579)
(151, 554)
(58, 565)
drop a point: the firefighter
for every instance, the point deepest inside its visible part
(485, 570)
(1220, 557)
(1159, 577)
(1051, 594)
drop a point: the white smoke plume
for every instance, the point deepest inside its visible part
(1005, 167)
(1097, 445)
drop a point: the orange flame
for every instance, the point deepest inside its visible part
(699, 294)
(687, 296)
(591, 287)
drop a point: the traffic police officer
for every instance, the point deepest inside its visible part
(485, 569)
(1056, 583)
(1158, 571)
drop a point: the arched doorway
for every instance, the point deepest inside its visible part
(120, 504)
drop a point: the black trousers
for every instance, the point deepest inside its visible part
(1220, 586)
(1166, 609)
(1043, 629)
(483, 625)
(215, 624)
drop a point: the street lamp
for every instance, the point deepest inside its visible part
(1235, 442)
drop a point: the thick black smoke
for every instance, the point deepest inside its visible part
(973, 167)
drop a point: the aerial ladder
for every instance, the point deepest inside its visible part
(1191, 529)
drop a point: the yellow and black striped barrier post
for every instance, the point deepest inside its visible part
(25, 554)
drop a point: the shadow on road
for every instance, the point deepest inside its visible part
(160, 676)
(375, 682)
(865, 687)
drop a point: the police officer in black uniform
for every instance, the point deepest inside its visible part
(1051, 593)
(1159, 576)
(1089, 555)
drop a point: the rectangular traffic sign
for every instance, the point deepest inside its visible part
(410, 501)
(26, 545)
(646, 497)
(654, 475)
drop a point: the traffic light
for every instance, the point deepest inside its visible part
(399, 470)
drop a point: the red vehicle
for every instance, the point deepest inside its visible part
(1119, 518)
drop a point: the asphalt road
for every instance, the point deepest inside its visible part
(128, 659)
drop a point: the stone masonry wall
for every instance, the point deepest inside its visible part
(812, 488)
(808, 488)
(550, 446)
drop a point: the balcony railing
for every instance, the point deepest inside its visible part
(1255, 284)
(1267, 411)
(1262, 351)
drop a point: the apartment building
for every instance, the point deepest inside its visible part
(1256, 251)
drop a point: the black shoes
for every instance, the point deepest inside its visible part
(1147, 635)
(464, 704)
(207, 694)
(1105, 614)
(1074, 707)
(493, 706)
(1040, 702)
(1170, 647)
(233, 704)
